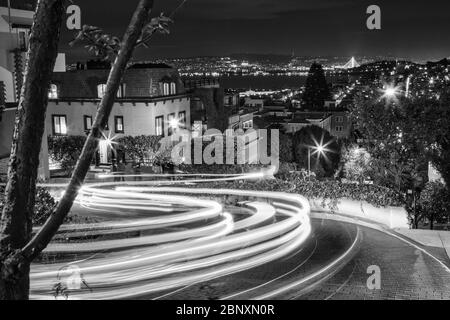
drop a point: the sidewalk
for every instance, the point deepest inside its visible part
(429, 238)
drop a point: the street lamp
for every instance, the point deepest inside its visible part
(174, 123)
(390, 92)
(318, 148)
(106, 143)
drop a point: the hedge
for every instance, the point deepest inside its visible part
(65, 150)
(141, 149)
(329, 191)
(218, 168)
(43, 207)
(332, 189)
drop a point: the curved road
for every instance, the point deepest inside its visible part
(168, 240)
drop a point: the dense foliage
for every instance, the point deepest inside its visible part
(218, 168)
(286, 149)
(65, 150)
(357, 164)
(43, 205)
(433, 204)
(43, 208)
(403, 134)
(328, 191)
(140, 149)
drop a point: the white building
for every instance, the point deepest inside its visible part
(15, 27)
(151, 100)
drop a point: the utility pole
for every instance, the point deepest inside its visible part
(309, 163)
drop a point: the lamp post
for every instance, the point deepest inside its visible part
(309, 162)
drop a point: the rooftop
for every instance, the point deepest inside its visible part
(298, 120)
(19, 4)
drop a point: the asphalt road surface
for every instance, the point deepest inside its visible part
(164, 242)
(406, 271)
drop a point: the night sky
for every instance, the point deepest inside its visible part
(415, 29)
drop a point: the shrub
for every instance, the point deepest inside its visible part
(357, 164)
(329, 191)
(219, 168)
(286, 148)
(140, 149)
(65, 150)
(333, 190)
(285, 168)
(260, 185)
(434, 203)
(43, 207)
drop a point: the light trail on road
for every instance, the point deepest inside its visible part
(169, 237)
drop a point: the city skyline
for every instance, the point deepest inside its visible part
(415, 31)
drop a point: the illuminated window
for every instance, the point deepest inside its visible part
(166, 91)
(118, 124)
(248, 124)
(173, 88)
(121, 91)
(340, 119)
(173, 123)
(159, 126)
(59, 125)
(87, 123)
(101, 89)
(53, 91)
(339, 128)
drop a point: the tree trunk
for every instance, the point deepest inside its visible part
(416, 222)
(16, 223)
(140, 18)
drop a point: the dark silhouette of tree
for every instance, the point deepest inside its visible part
(316, 89)
(286, 148)
(431, 125)
(16, 222)
(323, 164)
